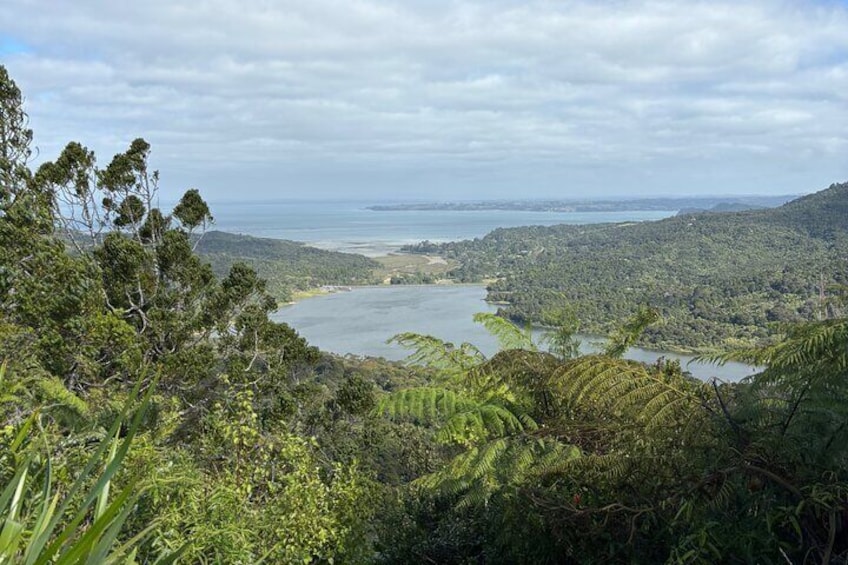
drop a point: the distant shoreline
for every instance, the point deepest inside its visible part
(302, 295)
(588, 206)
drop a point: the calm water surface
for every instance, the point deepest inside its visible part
(349, 226)
(360, 322)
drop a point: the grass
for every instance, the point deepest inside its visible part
(399, 263)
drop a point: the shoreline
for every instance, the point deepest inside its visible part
(300, 295)
(450, 310)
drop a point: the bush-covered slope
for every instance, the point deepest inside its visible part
(250, 446)
(286, 265)
(717, 278)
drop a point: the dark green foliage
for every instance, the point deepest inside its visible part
(34, 529)
(254, 445)
(192, 211)
(286, 265)
(15, 150)
(213, 466)
(670, 469)
(130, 211)
(127, 171)
(718, 279)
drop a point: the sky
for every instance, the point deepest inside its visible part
(443, 99)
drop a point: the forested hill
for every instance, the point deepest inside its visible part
(718, 278)
(286, 265)
(822, 214)
(153, 413)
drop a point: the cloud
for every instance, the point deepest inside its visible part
(445, 98)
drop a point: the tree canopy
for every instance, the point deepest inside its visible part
(151, 412)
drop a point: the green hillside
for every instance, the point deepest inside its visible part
(717, 278)
(151, 412)
(286, 265)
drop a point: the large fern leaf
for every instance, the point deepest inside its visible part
(823, 345)
(629, 388)
(459, 418)
(509, 335)
(480, 472)
(438, 354)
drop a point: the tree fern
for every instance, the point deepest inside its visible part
(459, 418)
(484, 405)
(438, 354)
(509, 335)
(481, 471)
(820, 345)
(629, 387)
(803, 391)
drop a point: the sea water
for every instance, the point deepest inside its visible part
(351, 227)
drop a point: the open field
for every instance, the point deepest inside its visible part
(419, 266)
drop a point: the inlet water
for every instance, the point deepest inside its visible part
(360, 321)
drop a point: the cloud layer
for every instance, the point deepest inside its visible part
(442, 98)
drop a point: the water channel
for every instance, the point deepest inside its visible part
(360, 321)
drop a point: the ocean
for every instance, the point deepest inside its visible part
(361, 321)
(350, 227)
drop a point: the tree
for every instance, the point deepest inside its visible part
(15, 140)
(101, 293)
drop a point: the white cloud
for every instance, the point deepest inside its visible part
(451, 98)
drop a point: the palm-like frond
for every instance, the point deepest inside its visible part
(480, 472)
(485, 405)
(629, 332)
(438, 354)
(509, 335)
(803, 388)
(481, 422)
(823, 345)
(610, 466)
(460, 419)
(628, 387)
(426, 404)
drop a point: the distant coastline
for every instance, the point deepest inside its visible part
(641, 204)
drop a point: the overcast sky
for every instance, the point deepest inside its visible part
(444, 99)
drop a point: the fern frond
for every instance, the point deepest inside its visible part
(481, 422)
(480, 472)
(628, 387)
(426, 404)
(509, 335)
(461, 419)
(610, 466)
(808, 344)
(435, 353)
(598, 379)
(630, 330)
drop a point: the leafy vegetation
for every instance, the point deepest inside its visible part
(34, 515)
(632, 463)
(286, 265)
(213, 464)
(250, 446)
(717, 279)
